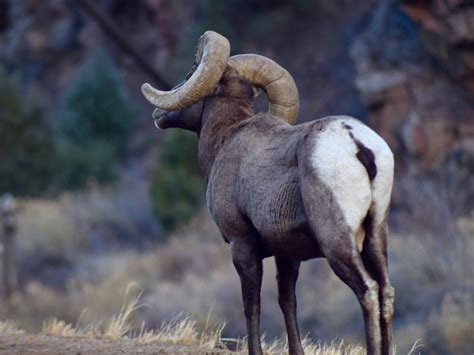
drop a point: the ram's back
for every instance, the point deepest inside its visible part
(261, 168)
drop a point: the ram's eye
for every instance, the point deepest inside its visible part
(256, 91)
(218, 90)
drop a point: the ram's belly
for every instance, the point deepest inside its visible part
(282, 225)
(294, 244)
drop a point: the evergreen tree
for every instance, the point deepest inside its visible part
(95, 123)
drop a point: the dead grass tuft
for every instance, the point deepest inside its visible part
(335, 348)
(310, 347)
(121, 324)
(182, 330)
(59, 328)
(10, 327)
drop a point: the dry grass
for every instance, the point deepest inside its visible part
(120, 325)
(451, 327)
(96, 219)
(182, 330)
(193, 272)
(310, 348)
(59, 327)
(196, 262)
(116, 327)
(120, 214)
(44, 228)
(435, 282)
(336, 348)
(10, 327)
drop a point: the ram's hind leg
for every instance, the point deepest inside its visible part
(337, 240)
(374, 256)
(344, 258)
(374, 252)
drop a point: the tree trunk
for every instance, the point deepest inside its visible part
(9, 275)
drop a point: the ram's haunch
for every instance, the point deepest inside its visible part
(319, 189)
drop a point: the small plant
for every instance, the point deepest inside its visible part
(10, 327)
(177, 189)
(58, 327)
(121, 324)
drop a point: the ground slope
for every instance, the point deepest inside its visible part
(50, 344)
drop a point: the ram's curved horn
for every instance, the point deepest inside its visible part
(276, 81)
(212, 54)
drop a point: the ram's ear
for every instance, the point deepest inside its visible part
(256, 91)
(229, 73)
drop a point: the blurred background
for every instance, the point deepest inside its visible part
(104, 199)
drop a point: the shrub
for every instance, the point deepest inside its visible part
(26, 144)
(94, 124)
(79, 163)
(177, 188)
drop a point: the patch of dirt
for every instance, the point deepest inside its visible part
(48, 344)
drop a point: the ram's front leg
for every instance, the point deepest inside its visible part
(248, 263)
(287, 275)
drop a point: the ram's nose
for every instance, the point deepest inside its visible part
(159, 118)
(165, 119)
(158, 113)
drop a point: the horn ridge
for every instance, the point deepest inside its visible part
(214, 51)
(276, 81)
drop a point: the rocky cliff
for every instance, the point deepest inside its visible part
(415, 70)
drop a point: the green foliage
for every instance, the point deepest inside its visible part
(177, 188)
(78, 163)
(94, 124)
(217, 14)
(26, 141)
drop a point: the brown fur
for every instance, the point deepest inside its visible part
(267, 200)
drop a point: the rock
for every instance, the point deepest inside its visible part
(4, 15)
(412, 102)
(458, 177)
(448, 34)
(373, 85)
(415, 75)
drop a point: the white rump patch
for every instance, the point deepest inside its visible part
(338, 167)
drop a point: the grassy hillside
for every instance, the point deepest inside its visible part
(121, 334)
(192, 274)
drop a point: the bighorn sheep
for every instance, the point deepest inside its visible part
(318, 189)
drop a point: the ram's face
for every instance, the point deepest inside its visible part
(188, 118)
(184, 103)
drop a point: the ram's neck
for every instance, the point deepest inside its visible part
(220, 122)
